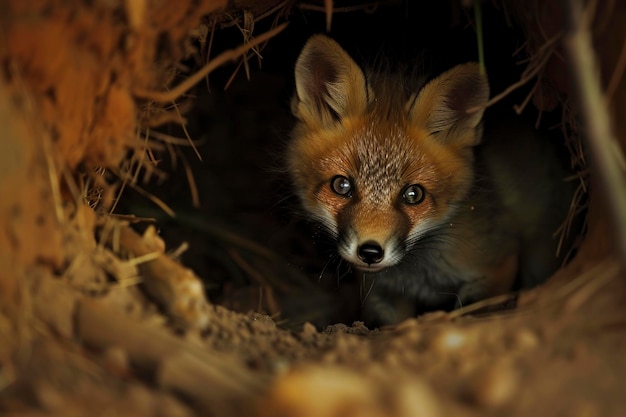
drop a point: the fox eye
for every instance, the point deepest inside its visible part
(413, 194)
(341, 185)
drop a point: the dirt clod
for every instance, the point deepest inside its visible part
(96, 316)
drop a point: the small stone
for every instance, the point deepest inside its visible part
(410, 331)
(526, 339)
(415, 398)
(116, 359)
(434, 316)
(494, 386)
(392, 359)
(321, 392)
(449, 340)
(48, 397)
(169, 406)
(308, 332)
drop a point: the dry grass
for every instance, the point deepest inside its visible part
(224, 360)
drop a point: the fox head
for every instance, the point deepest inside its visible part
(377, 166)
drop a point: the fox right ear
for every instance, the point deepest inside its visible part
(329, 84)
(450, 107)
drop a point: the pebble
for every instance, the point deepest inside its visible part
(449, 340)
(494, 386)
(48, 397)
(321, 392)
(116, 359)
(415, 398)
(526, 339)
(308, 333)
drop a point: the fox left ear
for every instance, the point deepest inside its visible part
(329, 84)
(441, 107)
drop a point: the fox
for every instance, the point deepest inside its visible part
(400, 178)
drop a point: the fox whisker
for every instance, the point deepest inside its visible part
(369, 290)
(333, 256)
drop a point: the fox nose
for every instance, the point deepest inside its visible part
(370, 252)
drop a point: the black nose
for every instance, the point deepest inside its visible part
(370, 252)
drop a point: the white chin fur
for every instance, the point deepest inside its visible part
(421, 228)
(371, 269)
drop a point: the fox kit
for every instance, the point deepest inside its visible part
(428, 215)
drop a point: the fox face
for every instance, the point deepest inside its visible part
(380, 167)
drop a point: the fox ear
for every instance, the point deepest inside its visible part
(441, 107)
(329, 84)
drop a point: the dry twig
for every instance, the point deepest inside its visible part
(536, 65)
(176, 288)
(592, 104)
(212, 381)
(230, 55)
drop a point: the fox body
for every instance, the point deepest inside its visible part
(398, 175)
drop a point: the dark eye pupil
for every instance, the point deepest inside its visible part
(341, 185)
(413, 194)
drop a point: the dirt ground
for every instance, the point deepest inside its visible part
(145, 274)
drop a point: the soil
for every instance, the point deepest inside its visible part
(234, 305)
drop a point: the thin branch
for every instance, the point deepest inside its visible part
(601, 138)
(367, 7)
(167, 209)
(617, 75)
(226, 56)
(531, 71)
(184, 127)
(179, 366)
(328, 10)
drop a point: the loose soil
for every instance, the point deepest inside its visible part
(102, 311)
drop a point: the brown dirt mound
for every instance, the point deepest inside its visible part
(96, 317)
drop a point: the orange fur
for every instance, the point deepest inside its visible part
(380, 140)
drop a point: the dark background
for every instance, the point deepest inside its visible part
(247, 208)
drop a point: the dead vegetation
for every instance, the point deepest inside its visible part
(98, 317)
